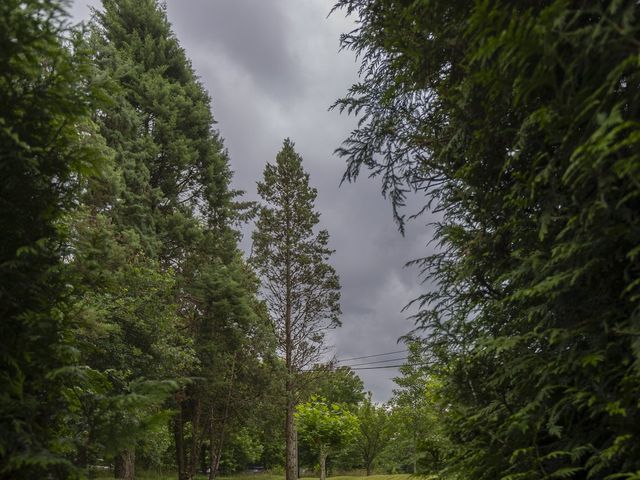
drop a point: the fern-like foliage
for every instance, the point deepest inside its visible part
(520, 123)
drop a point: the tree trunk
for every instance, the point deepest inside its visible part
(216, 451)
(216, 447)
(369, 468)
(214, 461)
(291, 464)
(125, 465)
(194, 453)
(213, 451)
(216, 444)
(292, 454)
(178, 434)
(323, 464)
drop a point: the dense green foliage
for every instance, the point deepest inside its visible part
(136, 334)
(326, 427)
(519, 122)
(418, 442)
(336, 385)
(177, 209)
(341, 386)
(129, 340)
(46, 98)
(374, 435)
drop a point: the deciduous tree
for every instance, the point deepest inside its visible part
(325, 426)
(373, 436)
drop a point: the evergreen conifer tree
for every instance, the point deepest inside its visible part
(177, 207)
(46, 146)
(519, 121)
(301, 288)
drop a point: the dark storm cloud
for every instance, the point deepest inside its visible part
(272, 69)
(250, 34)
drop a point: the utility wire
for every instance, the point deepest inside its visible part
(391, 366)
(380, 367)
(370, 356)
(379, 361)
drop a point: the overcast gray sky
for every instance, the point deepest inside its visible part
(272, 69)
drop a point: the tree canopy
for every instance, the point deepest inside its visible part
(47, 145)
(325, 426)
(177, 208)
(518, 121)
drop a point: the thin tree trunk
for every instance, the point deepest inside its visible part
(216, 447)
(213, 451)
(291, 459)
(195, 441)
(291, 463)
(369, 468)
(323, 464)
(125, 465)
(214, 460)
(217, 457)
(178, 433)
(216, 450)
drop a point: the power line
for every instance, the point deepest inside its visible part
(379, 361)
(370, 356)
(380, 367)
(392, 366)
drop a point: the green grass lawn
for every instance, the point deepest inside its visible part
(352, 477)
(265, 476)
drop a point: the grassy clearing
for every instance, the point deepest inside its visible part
(353, 477)
(262, 476)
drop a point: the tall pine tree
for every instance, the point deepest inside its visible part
(301, 288)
